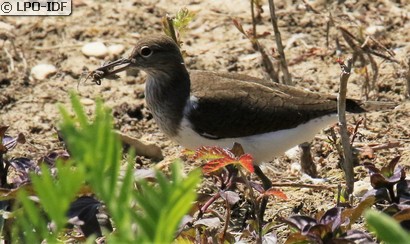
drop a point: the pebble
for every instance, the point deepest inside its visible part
(116, 49)
(95, 49)
(375, 30)
(43, 71)
(293, 153)
(87, 101)
(295, 169)
(361, 188)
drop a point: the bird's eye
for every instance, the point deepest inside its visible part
(145, 51)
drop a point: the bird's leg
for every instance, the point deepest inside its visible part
(267, 183)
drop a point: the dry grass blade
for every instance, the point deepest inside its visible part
(266, 60)
(408, 77)
(286, 75)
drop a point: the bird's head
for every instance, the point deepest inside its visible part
(154, 54)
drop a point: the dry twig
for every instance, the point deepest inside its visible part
(408, 77)
(341, 109)
(286, 75)
(267, 63)
(299, 185)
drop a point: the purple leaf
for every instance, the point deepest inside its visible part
(388, 170)
(85, 210)
(300, 222)
(371, 167)
(403, 190)
(257, 186)
(52, 157)
(398, 174)
(318, 232)
(355, 236)
(22, 166)
(330, 216)
(378, 181)
(381, 194)
(230, 196)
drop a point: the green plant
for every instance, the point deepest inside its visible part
(386, 228)
(95, 163)
(54, 197)
(175, 27)
(163, 207)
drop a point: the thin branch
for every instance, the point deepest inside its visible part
(408, 77)
(168, 27)
(300, 185)
(341, 108)
(286, 75)
(253, 18)
(227, 219)
(266, 61)
(378, 147)
(356, 128)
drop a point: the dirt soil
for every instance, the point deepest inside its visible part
(211, 42)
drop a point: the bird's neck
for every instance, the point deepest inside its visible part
(166, 93)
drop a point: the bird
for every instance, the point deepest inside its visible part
(205, 108)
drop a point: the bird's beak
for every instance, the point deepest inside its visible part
(116, 66)
(109, 70)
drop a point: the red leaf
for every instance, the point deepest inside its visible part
(339, 61)
(211, 153)
(219, 157)
(275, 193)
(246, 161)
(216, 164)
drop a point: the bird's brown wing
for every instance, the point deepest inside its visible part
(261, 108)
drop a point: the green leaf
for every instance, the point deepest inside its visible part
(56, 195)
(164, 206)
(386, 228)
(96, 155)
(182, 19)
(31, 225)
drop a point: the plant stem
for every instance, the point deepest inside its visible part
(253, 18)
(286, 75)
(341, 109)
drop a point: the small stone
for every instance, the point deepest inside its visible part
(43, 71)
(293, 153)
(87, 101)
(375, 30)
(95, 49)
(295, 169)
(116, 49)
(361, 188)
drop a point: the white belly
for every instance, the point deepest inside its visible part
(263, 147)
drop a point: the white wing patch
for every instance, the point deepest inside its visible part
(263, 147)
